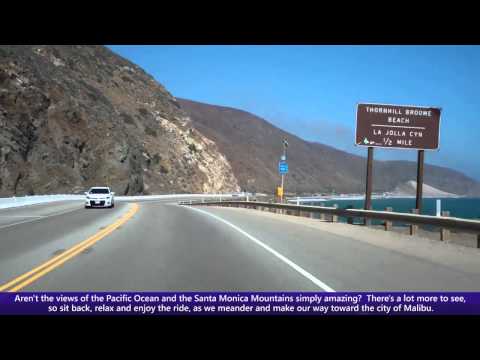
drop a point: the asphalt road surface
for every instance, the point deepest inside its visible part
(161, 246)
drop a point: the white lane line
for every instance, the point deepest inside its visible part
(287, 261)
(43, 217)
(22, 216)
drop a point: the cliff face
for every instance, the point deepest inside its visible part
(253, 147)
(72, 117)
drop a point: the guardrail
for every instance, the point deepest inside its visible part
(445, 223)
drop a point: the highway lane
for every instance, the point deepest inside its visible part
(167, 247)
(21, 214)
(34, 234)
(31, 235)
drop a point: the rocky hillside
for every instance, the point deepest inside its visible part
(253, 147)
(72, 117)
(78, 116)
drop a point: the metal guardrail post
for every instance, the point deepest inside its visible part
(322, 215)
(335, 217)
(350, 218)
(414, 227)
(478, 241)
(445, 233)
(388, 224)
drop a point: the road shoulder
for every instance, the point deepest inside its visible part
(458, 257)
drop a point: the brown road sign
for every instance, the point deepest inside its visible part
(398, 126)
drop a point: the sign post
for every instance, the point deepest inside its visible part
(282, 169)
(368, 189)
(397, 127)
(439, 207)
(421, 158)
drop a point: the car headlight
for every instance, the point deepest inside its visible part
(88, 197)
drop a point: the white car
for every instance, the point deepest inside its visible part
(99, 197)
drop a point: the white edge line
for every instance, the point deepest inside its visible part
(41, 218)
(290, 263)
(22, 216)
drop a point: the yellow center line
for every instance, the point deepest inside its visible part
(41, 270)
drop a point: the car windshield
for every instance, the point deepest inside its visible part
(99, 191)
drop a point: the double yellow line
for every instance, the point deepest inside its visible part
(29, 277)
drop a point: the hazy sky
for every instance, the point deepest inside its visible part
(312, 91)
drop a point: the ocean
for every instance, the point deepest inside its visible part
(467, 208)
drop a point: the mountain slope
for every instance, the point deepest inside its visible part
(77, 116)
(253, 147)
(410, 189)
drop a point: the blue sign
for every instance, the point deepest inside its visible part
(282, 167)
